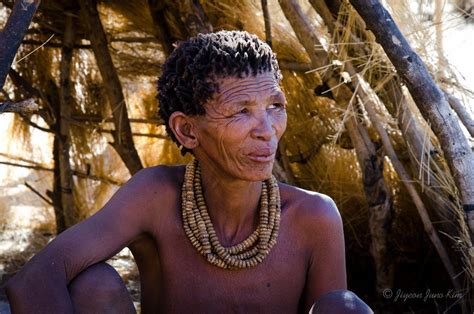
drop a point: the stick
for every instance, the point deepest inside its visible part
(44, 198)
(123, 140)
(408, 182)
(25, 106)
(428, 97)
(13, 33)
(463, 114)
(77, 173)
(268, 25)
(25, 166)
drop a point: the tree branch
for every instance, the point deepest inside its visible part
(44, 198)
(35, 125)
(268, 25)
(25, 106)
(123, 140)
(25, 166)
(428, 97)
(13, 33)
(463, 114)
(76, 173)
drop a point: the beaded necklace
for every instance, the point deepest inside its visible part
(199, 229)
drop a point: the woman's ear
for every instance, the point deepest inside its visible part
(183, 129)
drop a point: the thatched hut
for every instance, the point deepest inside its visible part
(360, 129)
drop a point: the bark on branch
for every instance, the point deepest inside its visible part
(25, 106)
(428, 96)
(13, 33)
(371, 162)
(65, 104)
(123, 140)
(463, 114)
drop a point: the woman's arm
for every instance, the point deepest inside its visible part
(41, 285)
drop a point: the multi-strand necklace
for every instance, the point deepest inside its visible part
(200, 231)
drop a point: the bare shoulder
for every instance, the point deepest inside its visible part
(148, 194)
(158, 176)
(158, 181)
(310, 206)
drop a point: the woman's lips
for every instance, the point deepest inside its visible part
(262, 156)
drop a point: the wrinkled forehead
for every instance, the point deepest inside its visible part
(261, 84)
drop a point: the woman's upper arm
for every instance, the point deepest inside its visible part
(97, 238)
(327, 267)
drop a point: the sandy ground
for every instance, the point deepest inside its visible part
(18, 246)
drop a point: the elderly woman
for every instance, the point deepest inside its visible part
(229, 237)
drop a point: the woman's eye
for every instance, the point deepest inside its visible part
(277, 106)
(244, 110)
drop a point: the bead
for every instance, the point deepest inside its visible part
(200, 231)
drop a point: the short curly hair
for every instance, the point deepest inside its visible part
(189, 75)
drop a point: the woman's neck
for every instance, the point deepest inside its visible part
(232, 204)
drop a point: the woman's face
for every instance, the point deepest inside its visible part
(239, 133)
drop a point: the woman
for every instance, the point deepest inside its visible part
(229, 237)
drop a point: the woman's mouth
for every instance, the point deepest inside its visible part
(266, 156)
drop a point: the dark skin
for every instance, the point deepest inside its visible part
(235, 143)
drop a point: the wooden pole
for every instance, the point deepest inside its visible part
(462, 113)
(193, 17)
(268, 24)
(13, 33)
(160, 27)
(66, 103)
(405, 178)
(376, 191)
(25, 106)
(428, 97)
(123, 140)
(396, 103)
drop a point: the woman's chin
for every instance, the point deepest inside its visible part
(261, 174)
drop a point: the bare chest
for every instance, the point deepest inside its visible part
(189, 282)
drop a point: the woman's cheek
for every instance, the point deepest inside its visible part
(279, 118)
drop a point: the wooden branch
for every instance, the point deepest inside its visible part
(13, 33)
(463, 114)
(294, 66)
(96, 178)
(48, 116)
(407, 181)
(32, 42)
(131, 40)
(65, 105)
(376, 190)
(193, 17)
(123, 140)
(102, 130)
(20, 159)
(25, 106)
(396, 103)
(267, 21)
(28, 121)
(304, 157)
(77, 173)
(98, 119)
(44, 198)
(428, 97)
(160, 27)
(321, 8)
(25, 166)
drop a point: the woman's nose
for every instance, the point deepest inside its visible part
(263, 128)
